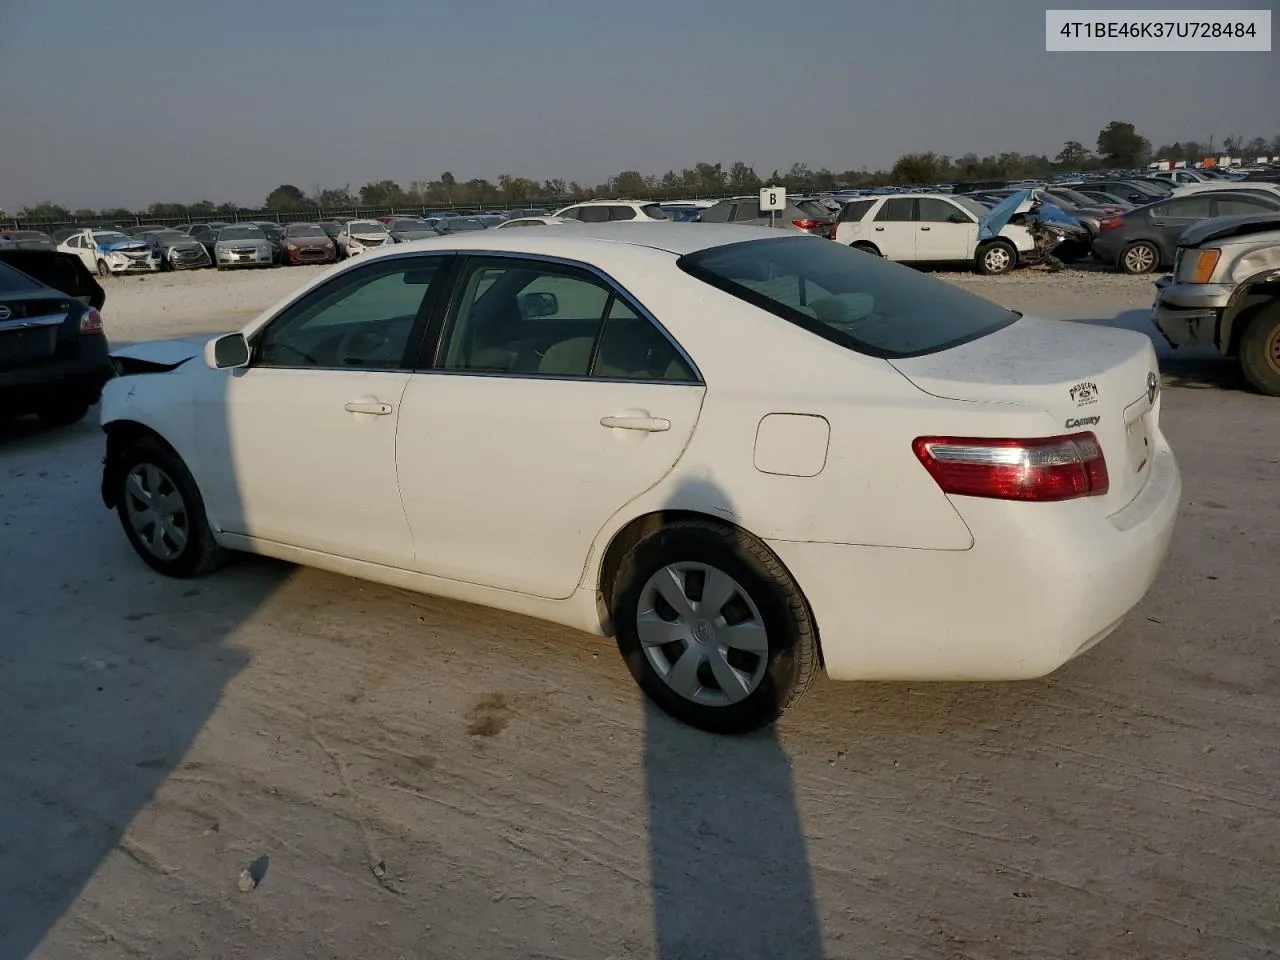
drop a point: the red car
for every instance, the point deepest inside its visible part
(308, 243)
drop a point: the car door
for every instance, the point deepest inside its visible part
(301, 443)
(551, 401)
(1170, 218)
(893, 229)
(944, 232)
(78, 245)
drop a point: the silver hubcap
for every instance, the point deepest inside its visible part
(156, 511)
(997, 259)
(1140, 259)
(702, 633)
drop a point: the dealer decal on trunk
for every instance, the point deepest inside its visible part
(1084, 393)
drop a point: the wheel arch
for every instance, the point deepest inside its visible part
(1251, 297)
(868, 246)
(121, 434)
(636, 529)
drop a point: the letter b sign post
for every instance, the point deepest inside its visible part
(773, 199)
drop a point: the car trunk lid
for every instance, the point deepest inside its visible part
(1087, 378)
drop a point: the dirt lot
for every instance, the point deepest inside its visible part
(408, 777)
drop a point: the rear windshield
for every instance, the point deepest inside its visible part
(857, 300)
(13, 281)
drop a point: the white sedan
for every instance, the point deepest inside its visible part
(746, 457)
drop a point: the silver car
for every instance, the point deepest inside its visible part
(1224, 292)
(242, 245)
(800, 216)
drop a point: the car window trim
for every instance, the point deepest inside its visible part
(417, 333)
(433, 360)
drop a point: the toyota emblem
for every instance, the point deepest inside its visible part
(5, 312)
(1153, 387)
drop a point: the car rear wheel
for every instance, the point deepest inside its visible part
(1260, 351)
(866, 248)
(996, 258)
(1140, 257)
(712, 627)
(162, 511)
(63, 413)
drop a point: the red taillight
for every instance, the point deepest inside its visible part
(1053, 468)
(91, 321)
(1111, 223)
(806, 224)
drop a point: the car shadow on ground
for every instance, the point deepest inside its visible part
(108, 673)
(1192, 367)
(729, 872)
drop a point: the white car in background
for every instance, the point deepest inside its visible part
(357, 236)
(934, 228)
(602, 211)
(747, 456)
(534, 222)
(1270, 190)
(109, 252)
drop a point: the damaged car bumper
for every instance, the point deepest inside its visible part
(1187, 314)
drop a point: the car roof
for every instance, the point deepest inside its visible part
(675, 238)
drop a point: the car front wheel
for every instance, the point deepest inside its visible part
(162, 512)
(1141, 257)
(712, 627)
(996, 258)
(1260, 351)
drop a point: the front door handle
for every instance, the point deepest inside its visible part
(647, 424)
(374, 408)
(880, 229)
(924, 228)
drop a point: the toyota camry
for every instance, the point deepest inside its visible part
(746, 457)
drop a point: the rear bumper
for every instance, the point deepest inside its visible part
(311, 255)
(28, 389)
(1042, 584)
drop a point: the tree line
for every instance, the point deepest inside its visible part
(1118, 146)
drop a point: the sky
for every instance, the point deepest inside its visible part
(128, 103)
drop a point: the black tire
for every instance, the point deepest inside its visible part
(1259, 351)
(201, 553)
(995, 258)
(103, 270)
(1141, 257)
(63, 413)
(867, 248)
(791, 661)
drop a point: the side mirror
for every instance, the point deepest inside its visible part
(535, 305)
(226, 352)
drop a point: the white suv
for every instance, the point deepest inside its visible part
(934, 228)
(600, 211)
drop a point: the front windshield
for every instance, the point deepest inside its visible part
(172, 236)
(410, 226)
(973, 206)
(303, 230)
(866, 304)
(366, 226)
(109, 236)
(241, 233)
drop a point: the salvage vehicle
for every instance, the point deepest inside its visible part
(747, 455)
(53, 352)
(25, 240)
(942, 228)
(110, 252)
(1224, 292)
(243, 245)
(357, 236)
(308, 243)
(177, 250)
(1146, 239)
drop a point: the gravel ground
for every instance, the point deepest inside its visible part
(278, 762)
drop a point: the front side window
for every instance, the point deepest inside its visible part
(598, 214)
(1240, 206)
(532, 318)
(933, 210)
(362, 319)
(866, 304)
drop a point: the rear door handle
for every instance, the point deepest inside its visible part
(924, 228)
(647, 424)
(373, 407)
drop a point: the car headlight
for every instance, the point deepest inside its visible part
(115, 255)
(291, 246)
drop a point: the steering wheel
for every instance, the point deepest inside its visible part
(359, 346)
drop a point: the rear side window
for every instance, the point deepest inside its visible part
(593, 214)
(856, 210)
(873, 306)
(746, 210)
(898, 208)
(621, 213)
